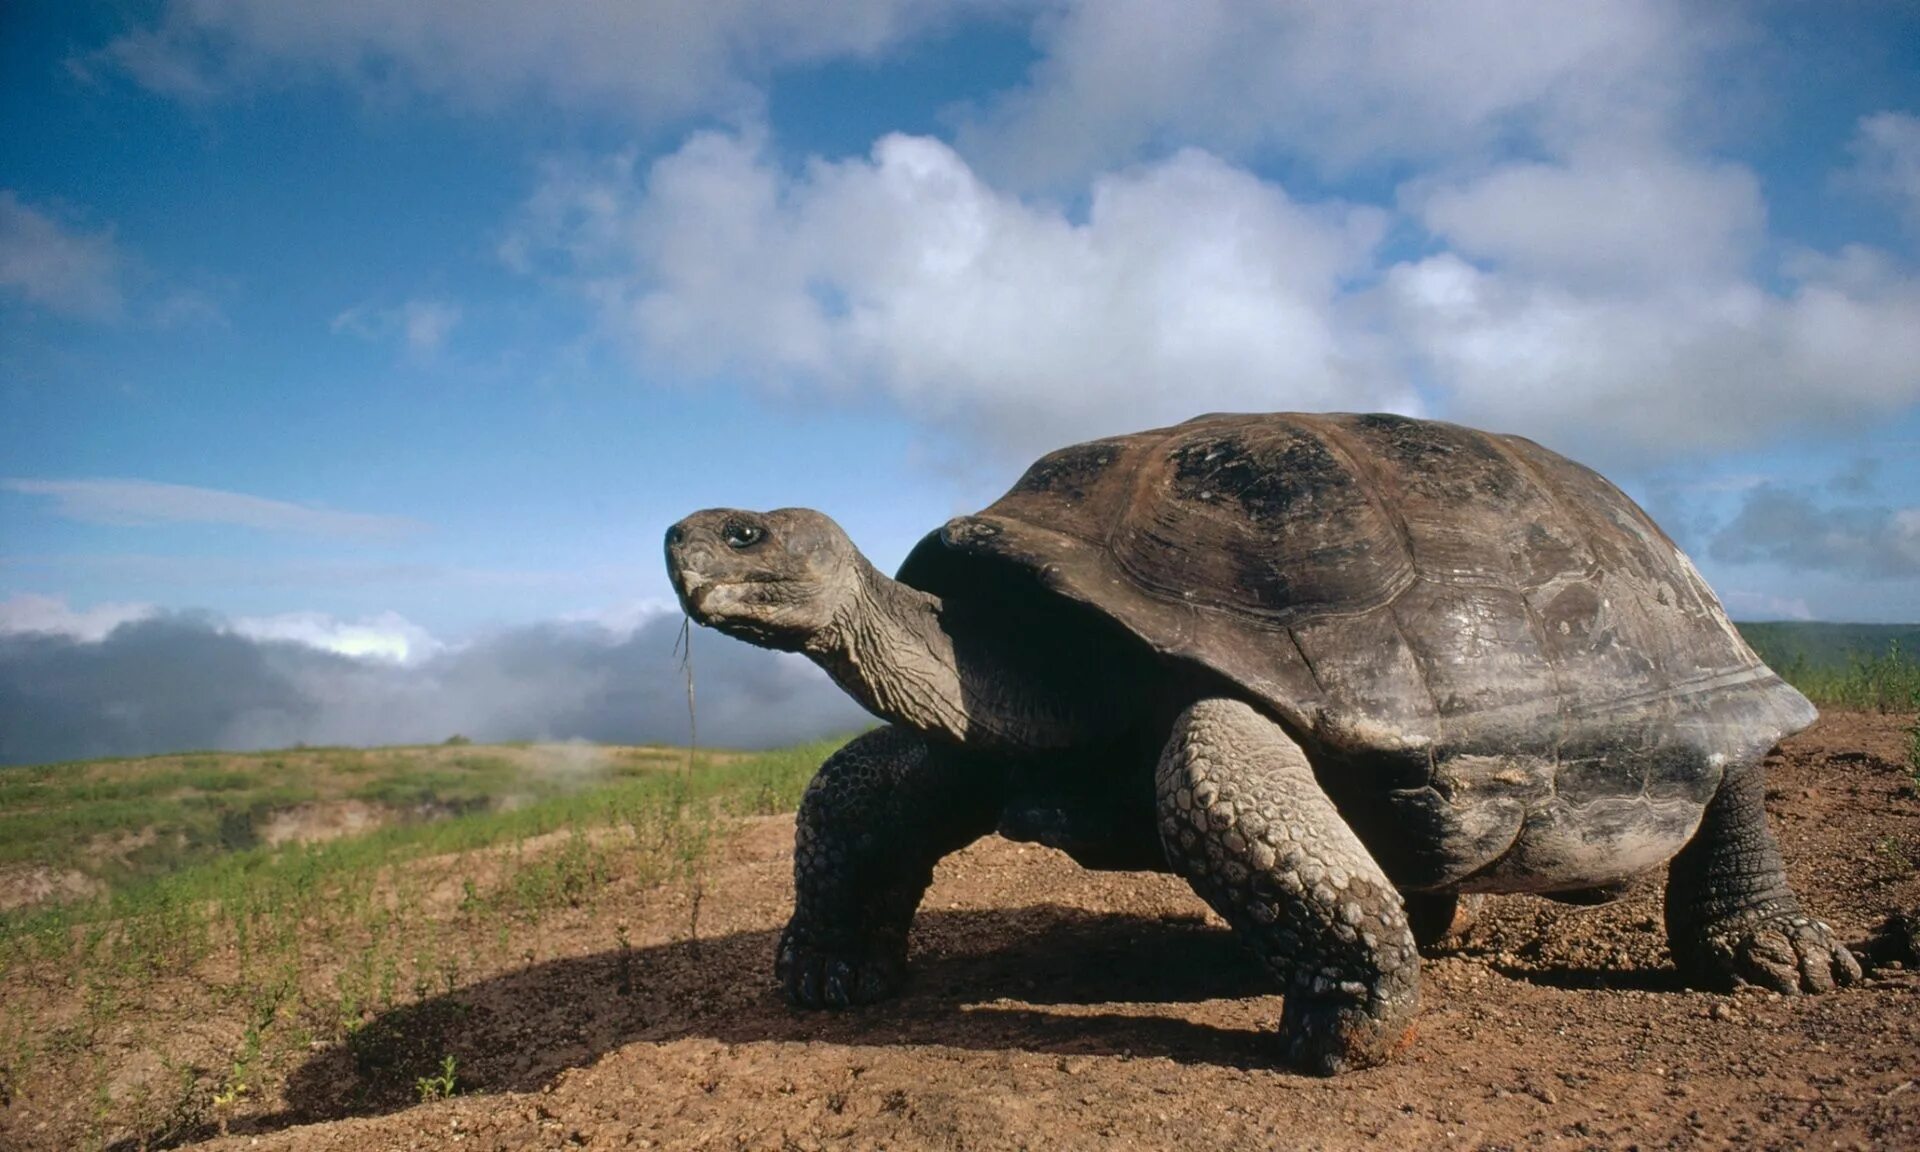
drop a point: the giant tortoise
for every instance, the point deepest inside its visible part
(1334, 670)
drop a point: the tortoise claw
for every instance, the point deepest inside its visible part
(1786, 954)
(1326, 1037)
(817, 974)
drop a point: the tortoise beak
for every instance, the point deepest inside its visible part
(687, 557)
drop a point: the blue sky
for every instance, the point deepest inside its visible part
(391, 327)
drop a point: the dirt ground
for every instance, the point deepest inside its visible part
(1056, 1008)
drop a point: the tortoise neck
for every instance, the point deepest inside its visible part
(896, 651)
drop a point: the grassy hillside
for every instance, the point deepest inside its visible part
(280, 900)
(102, 824)
(1873, 666)
(1821, 645)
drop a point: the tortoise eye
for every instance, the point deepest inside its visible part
(738, 535)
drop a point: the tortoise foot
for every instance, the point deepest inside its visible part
(1325, 1037)
(1788, 953)
(818, 972)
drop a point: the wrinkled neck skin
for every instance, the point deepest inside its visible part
(895, 651)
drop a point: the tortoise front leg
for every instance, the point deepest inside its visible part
(1243, 819)
(876, 818)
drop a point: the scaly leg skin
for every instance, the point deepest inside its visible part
(1243, 819)
(874, 821)
(1731, 918)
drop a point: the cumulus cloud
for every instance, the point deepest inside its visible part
(1362, 82)
(1603, 220)
(1690, 367)
(57, 266)
(1616, 303)
(137, 502)
(1619, 303)
(653, 61)
(1887, 161)
(1791, 528)
(1189, 284)
(1582, 271)
(170, 682)
(387, 636)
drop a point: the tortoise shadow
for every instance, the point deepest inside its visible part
(981, 980)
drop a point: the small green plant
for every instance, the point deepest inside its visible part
(1897, 857)
(1913, 757)
(439, 1086)
(626, 963)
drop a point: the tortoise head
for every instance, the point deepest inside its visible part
(769, 578)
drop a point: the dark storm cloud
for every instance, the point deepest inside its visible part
(1788, 527)
(180, 682)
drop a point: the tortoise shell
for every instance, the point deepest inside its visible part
(1385, 585)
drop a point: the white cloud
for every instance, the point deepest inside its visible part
(1615, 302)
(1618, 220)
(1611, 304)
(139, 502)
(427, 323)
(1358, 82)
(57, 267)
(654, 61)
(1190, 284)
(1684, 368)
(26, 612)
(422, 325)
(388, 636)
(1745, 605)
(1887, 155)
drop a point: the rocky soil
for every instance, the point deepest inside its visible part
(1053, 1008)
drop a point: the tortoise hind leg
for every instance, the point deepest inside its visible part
(877, 817)
(1242, 818)
(1731, 917)
(1441, 920)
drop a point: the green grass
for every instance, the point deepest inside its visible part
(118, 821)
(270, 950)
(1870, 667)
(645, 794)
(1818, 644)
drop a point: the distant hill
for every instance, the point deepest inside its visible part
(1819, 647)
